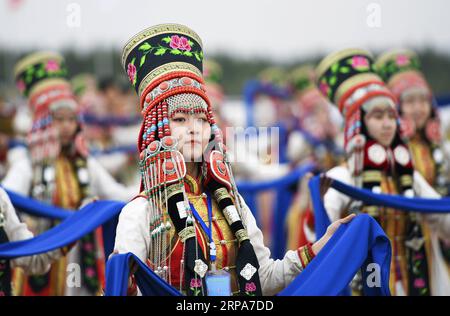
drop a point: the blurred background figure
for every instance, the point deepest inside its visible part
(420, 119)
(314, 139)
(58, 170)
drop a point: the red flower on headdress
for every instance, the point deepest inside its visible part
(51, 66)
(433, 131)
(131, 72)
(360, 63)
(402, 60)
(181, 43)
(21, 85)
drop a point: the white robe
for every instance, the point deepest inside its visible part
(132, 235)
(102, 185)
(336, 203)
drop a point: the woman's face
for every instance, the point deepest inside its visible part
(193, 132)
(65, 121)
(416, 107)
(381, 124)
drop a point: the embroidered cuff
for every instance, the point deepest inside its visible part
(305, 254)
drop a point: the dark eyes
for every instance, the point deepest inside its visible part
(182, 119)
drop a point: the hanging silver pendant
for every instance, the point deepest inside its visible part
(415, 243)
(248, 271)
(200, 268)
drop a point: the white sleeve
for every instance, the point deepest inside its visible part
(439, 223)
(275, 275)
(105, 186)
(19, 176)
(15, 230)
(334, 201)
(132, 232)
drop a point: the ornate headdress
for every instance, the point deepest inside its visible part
(164, 65)
(348, 79)
(42, 78)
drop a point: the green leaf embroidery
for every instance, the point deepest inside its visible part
(344, 70)
(145, 46)
(335, 67)
(175, 51)
(30, 71)
(133, 60)
(186, 53)
(197, 56)
(142, 61)
(191, 43)
(333, 81)
(160, 51)
(40, 73)
(167, 39)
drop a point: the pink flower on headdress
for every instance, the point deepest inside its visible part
(2, 293)
(181, 43)
(419, 283)
(195, 283)
(88, 246)
(52, 66)
(402, 60)
(324, 88)
(250, 287)
(90, 272)
(21, 85)
(131, 72)
(360, 63)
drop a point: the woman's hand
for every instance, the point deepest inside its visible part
(318, 245)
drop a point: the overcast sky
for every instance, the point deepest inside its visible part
(274, 29)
